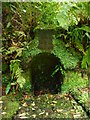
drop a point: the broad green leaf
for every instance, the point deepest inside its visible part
(84, 61)
(85, 28)
(8, 88)
(87, 35)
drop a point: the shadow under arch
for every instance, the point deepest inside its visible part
(44, 78)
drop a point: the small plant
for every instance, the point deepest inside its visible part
(16, 76)
(66, 57)
(73, 81)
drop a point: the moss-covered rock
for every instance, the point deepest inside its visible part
(9, 107)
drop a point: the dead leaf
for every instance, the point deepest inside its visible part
(1, 102)
(46, 113)
(25, 104)
(33, 104)
(34, 115)
(76, 115)
(26, 96)
(42, 113)
(3, 113)
(33, 109)
(72, 110)
(20, 108)
(24, 117)
(50, 96)
(23, 114)
(54, 102)
(59, 110)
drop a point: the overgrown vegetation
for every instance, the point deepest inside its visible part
(19, 43)
(70, 22)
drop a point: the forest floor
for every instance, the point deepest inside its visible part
(45, 106)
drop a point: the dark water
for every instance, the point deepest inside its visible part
(42, 67)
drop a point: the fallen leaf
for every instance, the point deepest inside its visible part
(59, 110)
(24, 117)
(26, 96)
(33, 104)
(25, 104)
(41, 113)
(33, 109)
(72, 110)
(54, 102)
(50, 96)
(23, 114)
(38, 98)
(34, 115)
(46, 113)
(20, 108)
(76, 115)
(1, 102)
(3, 113)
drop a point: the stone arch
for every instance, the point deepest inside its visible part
(43, 79)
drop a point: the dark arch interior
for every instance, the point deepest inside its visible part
(44, 80)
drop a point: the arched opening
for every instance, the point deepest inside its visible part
(46, 78)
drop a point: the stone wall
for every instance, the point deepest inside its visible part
(45, 39)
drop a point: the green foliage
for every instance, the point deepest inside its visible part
(20, 79)
(83, 97)
(27, 87)
(31, 49)
(14, 66)
(81, 40)
(86, 59)
(4, 67)
(17, 72)
(67, 59)
(10, 107)
(62, 14)
(5, 79)
(73, 81)
(16, 76)
(19, 44)
(8, 88)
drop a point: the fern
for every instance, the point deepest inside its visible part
(17, 72)
(20, 79)
(67, 59)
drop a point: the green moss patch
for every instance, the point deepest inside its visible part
(9, 107)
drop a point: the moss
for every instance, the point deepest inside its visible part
(73, 81)
(27, 85)
(10, 106)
